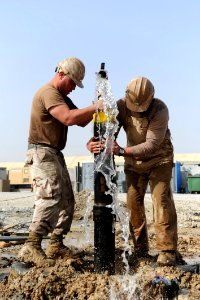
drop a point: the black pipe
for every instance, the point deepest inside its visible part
(8, 238)
(104, 219)
(78, 178)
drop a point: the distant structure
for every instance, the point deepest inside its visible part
(185, 175)
(4, 181)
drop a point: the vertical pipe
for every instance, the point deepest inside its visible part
(104, 219)
(78, 177)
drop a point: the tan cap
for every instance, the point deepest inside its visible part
(139, 94)
(74, 68)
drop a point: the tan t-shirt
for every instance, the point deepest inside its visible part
(44, 128)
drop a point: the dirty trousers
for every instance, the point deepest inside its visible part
(54, 198)
(165, 217)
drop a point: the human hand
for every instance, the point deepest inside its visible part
(95, 146)
(115, 148)
(100, 104)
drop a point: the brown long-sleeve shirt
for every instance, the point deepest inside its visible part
(147, 133)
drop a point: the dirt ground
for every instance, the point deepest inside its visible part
(73, 276)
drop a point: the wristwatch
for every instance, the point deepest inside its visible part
(121, 152)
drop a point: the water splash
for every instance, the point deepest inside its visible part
(124, 217)
(124, 288)
(104, 162)
(86, 223)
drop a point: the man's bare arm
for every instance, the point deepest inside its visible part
(80, 117)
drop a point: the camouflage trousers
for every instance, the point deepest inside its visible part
(165, 217)
(54, 198)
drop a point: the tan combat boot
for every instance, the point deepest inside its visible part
(167, 258)
(56, 248)
(32, 251)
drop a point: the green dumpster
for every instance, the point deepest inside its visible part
(194, 184)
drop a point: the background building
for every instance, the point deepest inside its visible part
(185, 174)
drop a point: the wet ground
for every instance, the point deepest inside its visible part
(73, 276)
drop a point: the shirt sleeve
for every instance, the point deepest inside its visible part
(51, 97)
(155, 135)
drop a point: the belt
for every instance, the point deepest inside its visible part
(40, 145)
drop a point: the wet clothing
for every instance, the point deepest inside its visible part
(152, 162)
(148, 134)
(44, 128)
(54, 198)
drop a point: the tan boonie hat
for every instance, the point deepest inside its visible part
(74, 68)
(139, 94)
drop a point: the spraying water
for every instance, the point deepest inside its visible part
(104, 163)
(89, 204)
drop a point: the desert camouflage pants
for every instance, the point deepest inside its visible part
(165, 218)
(54, 198)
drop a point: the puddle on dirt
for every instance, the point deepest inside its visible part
(194, 260)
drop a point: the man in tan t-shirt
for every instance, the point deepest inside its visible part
(148, 159)
(51, 114)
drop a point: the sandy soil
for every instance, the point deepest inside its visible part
(73, 276)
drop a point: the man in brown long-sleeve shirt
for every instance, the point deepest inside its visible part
(148, 159)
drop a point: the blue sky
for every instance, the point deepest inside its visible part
(156, 39)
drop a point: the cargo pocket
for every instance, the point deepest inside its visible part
(29, 158)
(42, 188)
(39, 155)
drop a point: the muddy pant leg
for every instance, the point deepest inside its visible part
(164, 208)
(136, 188)
(46, 174)
(67, 203)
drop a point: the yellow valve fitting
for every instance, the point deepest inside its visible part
(99, 117)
